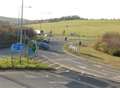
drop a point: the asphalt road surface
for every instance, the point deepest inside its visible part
(58, 79)
(81, 64)
(42, 79)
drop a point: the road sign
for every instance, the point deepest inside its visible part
(30, 52)
(17, 48)
(32, 48)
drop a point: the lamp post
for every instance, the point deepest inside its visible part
(21, 28)
(21, 22)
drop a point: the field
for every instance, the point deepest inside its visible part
(88, 28)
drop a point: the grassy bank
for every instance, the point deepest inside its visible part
(97, 56)
(8, 64)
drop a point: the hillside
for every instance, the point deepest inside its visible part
(80, 27)
(11, 20)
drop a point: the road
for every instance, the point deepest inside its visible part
(58, 79)
(87, 74)
(42, 79)
(61, 78)
(79, 64)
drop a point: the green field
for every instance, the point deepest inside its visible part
(80, 27)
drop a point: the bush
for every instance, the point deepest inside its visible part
(11, 34)
(117, 53)
(101, 46)
(109, 43)
(28, 33)
(7, 35)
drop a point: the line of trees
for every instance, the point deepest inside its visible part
(64, 18)
(74, 17)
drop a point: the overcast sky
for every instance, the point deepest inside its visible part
(42, 9)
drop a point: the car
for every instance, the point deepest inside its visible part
(46, 41)
(43, 45)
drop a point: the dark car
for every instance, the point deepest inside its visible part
(46, 41)
(43, 45)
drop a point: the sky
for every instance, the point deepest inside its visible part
(44, 9)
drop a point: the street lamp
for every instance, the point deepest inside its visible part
(21, 28)
(21, 22)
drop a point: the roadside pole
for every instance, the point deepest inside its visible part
(21, 27)
(12, 60)
(21, 23)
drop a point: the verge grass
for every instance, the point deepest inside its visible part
(9, 63)
(97, 56)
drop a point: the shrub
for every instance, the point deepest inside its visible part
(29, 32)
(7, 35)
(117, 53)
(101, 46)
(112, 39)
(109, 43)
(10, 34)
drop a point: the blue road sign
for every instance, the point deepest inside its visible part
(30, 52)
(17, 48)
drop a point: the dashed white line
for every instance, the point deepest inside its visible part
(60, 82)
(55, 54)
(99, 66)
(44, 56)
(30, 76)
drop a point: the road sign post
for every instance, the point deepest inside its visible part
(17, 48)
(12, 60)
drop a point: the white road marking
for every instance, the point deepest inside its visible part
(67, 70)
(30, 76)
(93, 70)
(55, 54)
(44, 56)
(83, 67)
(96, 65)
(117, 78)
(51, 65)
(79, 63)
(57, 68)
(60, 82)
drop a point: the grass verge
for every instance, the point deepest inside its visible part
(9, 64)
(97, 56)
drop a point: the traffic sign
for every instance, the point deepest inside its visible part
(17, 47)
(30, 52)
(32, 48)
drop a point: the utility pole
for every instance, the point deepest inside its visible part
(21, 23)
(21, 28)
